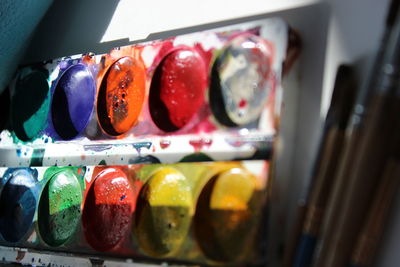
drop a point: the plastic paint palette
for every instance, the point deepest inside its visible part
(202, 96)
(138, 210)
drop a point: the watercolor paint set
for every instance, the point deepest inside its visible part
(221, 84)
(156, 151)
(189, 212)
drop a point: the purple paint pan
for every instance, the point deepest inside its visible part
(73, 101)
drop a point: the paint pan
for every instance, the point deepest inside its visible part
(121, 96)
(226, 215)
(177, 89)
(73, 101)
(59, 211)
(30, 104)
(241, 80)
(4, 108)
(164, 213)
(18, 202)
(109, 203)
(122, 217)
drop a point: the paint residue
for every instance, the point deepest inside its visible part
(149, 159)
(165, 144)
(201, 143)
(97, 147)
(37, 157)
(141, 145)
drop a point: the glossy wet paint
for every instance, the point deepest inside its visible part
(178, 89)
(241, 80)
(59, 212)
(121, 96)
(164, 213)
(109, 205)
(73, 101)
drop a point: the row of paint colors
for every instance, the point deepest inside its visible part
(181, 89)
(198, 212)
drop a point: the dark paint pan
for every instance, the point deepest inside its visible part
(18, 203)
(30, 105)
(164, 213)
(4, 108)
(225, 216)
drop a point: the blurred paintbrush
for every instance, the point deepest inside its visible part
(367, 141)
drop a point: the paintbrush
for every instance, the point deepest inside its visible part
(367, 140)
(367, 244)
(329, 149)
(326, 162)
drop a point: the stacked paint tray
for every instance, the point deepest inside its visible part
(215, 93)
(206, 213)
(101, 154)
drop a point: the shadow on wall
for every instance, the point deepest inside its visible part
(72, 27)
(75, 27)
(17, 21)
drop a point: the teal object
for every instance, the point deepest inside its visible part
(30, 106)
